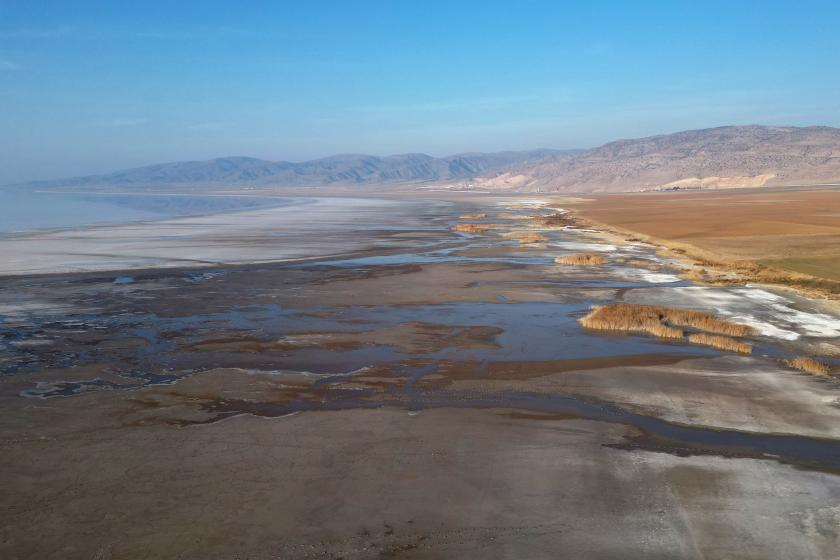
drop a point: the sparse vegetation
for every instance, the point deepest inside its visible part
(721, 342)
(554, 220)
(582, 259)
(659, 321)
(642, 263)
(526, 238)
(809, 365)
(477, 228)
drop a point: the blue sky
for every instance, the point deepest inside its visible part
(91, 87)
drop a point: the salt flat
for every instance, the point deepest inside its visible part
(324, 226)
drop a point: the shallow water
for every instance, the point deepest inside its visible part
(22, 211)
(400, 231)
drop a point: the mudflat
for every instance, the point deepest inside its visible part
(425, 390)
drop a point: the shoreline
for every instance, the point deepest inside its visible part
(329, 227)
(152, 218)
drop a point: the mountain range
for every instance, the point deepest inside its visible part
(345, 169)
(731, 156)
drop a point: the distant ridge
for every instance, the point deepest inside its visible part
(344, 169)
(723, 157)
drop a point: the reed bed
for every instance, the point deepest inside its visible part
(659, 320)
(526, 238)
(720, 342)
(629, 318)
(477, 228)
(554, 220)
(472, 216)
(809, 365)
(582, 259)
(642, 263)
(703, 321)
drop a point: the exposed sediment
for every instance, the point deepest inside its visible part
(321, 409)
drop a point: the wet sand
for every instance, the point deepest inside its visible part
(405, 391)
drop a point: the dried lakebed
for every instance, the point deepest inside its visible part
(414, 392)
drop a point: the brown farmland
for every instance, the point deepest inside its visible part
(787, 237)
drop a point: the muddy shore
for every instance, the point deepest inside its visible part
(415, 390)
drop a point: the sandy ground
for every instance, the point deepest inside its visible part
(425, 394)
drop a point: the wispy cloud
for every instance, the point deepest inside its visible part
(8, 65)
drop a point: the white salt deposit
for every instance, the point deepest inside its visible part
(771, 314)
(580, 246)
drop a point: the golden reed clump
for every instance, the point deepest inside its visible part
(658, 320)
(525, 238)
(629, 318)
(703, 321)
(554, 220)
(809, 365)
(720, 342)
(477, 228)
(582, 259)
(642, 263)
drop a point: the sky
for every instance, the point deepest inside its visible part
(90, 87)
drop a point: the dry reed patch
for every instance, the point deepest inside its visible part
(721, 342)
(642, 263)
(694, 274)
(629, 318)
(703, 321)
(526, 238)
(582, 259)
(659, 320)
(555, 220)
(477, 228)
(472, 216)
(809, 365)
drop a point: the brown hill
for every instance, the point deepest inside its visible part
(725, 157)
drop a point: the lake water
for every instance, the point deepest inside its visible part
(25, 211)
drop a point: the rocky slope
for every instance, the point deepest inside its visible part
(725, 157)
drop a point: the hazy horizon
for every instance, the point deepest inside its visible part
(383, 155)
(92, 89)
